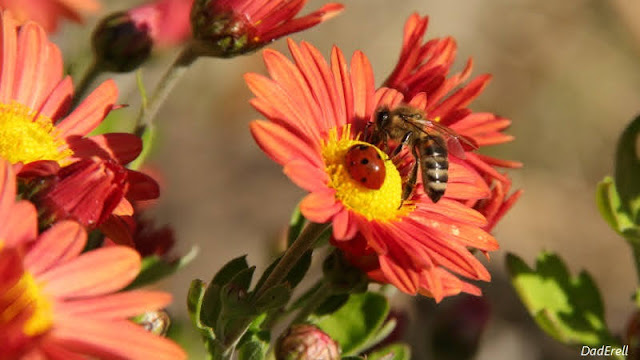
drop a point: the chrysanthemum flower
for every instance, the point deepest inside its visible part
(316, 112)
(49, 13)
(226, 28)
(59, 303)
(35, 100)
(424, 68)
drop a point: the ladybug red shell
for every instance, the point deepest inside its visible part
(365, 166)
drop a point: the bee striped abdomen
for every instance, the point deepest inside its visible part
(435, 167)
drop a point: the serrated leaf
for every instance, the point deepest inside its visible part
(627, 176)
(155, 268)
(357, 321)
(569, 308)
(611, 209)
(391, 352)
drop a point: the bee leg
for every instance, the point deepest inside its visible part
(410, 184)
(403, 142)
(368, 134)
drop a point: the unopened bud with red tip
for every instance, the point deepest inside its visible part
(227, 28)
(124, 40)
(306, 342)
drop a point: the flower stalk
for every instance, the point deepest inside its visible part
(304, 242)
(144, 122)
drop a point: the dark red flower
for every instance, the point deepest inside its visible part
(91, 190)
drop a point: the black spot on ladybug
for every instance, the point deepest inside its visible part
(378, 156)
(363, 180)
(364, 161)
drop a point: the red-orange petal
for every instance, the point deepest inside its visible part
(59, 244)
(90, 112)
(306, 175)
(280, 145)
(9, 56)
(320, 206)
(121, 305)
(114, 339)
(122, 147)
(93, 273)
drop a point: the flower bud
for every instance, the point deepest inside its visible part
(122, 42)
(306, 342)
(228, 28)
(221, 33)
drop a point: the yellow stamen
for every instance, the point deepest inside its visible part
(23, 296)
(26, 136)
(382, 204)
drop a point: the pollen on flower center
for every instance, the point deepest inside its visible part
(26, 136)
(25, 295)
(381, 204)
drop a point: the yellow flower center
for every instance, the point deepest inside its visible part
(26, 136)
(383, 204)
(23, 295)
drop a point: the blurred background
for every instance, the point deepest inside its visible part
(566, 72)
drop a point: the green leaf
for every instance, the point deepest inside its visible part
(194, 306)
(273, 298)
(391, 352)
(380, 335)
(255, 342)
(628, 169)
(229, 270)
(569, 308)
(213, 297)
(612, 210)
(333, 303)
(357, 321)
(155, 268)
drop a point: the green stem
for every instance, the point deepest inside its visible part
(90, 75)
(166, 84)
(144, 122)
(304, 242)
(322, 293)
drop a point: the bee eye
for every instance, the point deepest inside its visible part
(382, 116)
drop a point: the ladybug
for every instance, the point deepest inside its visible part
(365, 166)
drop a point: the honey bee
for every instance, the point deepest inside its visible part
(430, 145)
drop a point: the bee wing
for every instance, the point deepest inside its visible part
(452, 138)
